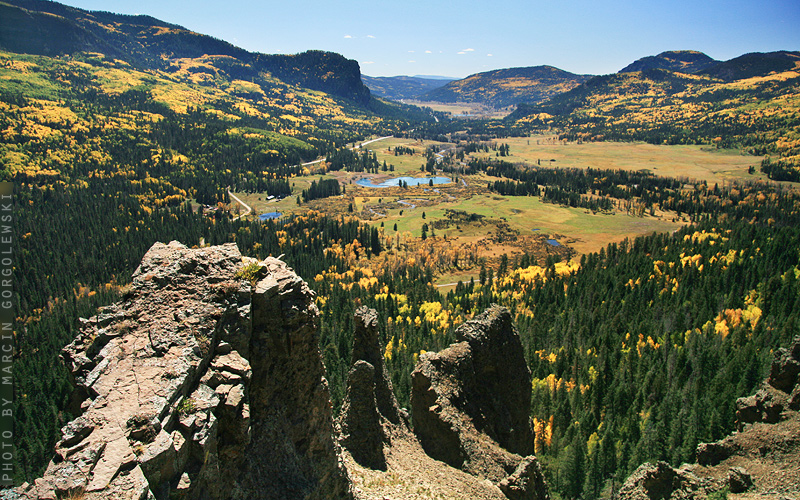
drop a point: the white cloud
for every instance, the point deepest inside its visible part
(412, 61)
(348, 36)
(370, 36)
(428, 52)
(488, 55)
(368, 62)
(411, 51)
(469, 50)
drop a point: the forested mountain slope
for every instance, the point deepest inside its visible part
(679, 61)
(506, 87)
(753, 65)
(401, 87)
(52, 29)
(750, 103)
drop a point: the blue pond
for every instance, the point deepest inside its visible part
(411, 181)
(269, 215)
(555, 243)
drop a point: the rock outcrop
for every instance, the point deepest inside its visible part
(204, 382)
(527, 482)
(470, 405)
(361, 425)
(762, 458)
(384, 457)
(780, 392)
(370, 407)
(661, 481)
(367, 347)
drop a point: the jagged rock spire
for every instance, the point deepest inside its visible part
(362, 433)
(204, 382)
(470, 405)
(367, 347)
(370, 407)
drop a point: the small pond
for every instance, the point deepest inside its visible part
(555, 243)
(411, 181)
(269, 215)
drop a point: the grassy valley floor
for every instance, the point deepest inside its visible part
(508, 225)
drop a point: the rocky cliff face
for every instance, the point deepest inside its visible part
(370, 410)
(476, 388)
(761, 459)
(471, 402)
(204, 382)
(472, 411)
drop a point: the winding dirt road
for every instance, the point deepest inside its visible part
(245, 205)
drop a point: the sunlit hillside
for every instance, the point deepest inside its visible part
(70, 115)
(758, 114)
(507, 87)
(649, 283)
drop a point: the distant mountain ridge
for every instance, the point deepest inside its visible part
(538, 84)
(693, 62)
(51, 29)
(680, 61)
(754, 64)
(506, 87)
(403, 87)
(748, 102)
(436, 77)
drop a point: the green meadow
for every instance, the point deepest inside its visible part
(703, 163)
(581, 229)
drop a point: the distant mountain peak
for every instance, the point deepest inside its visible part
(508, 86)
(435, 77)
(679, 61)
(402, 87)
(754, 64)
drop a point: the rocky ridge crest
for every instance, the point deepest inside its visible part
(469, 406)
(204, 382)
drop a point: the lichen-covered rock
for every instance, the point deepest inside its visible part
(199, 384)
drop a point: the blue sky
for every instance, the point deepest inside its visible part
(432, 37)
